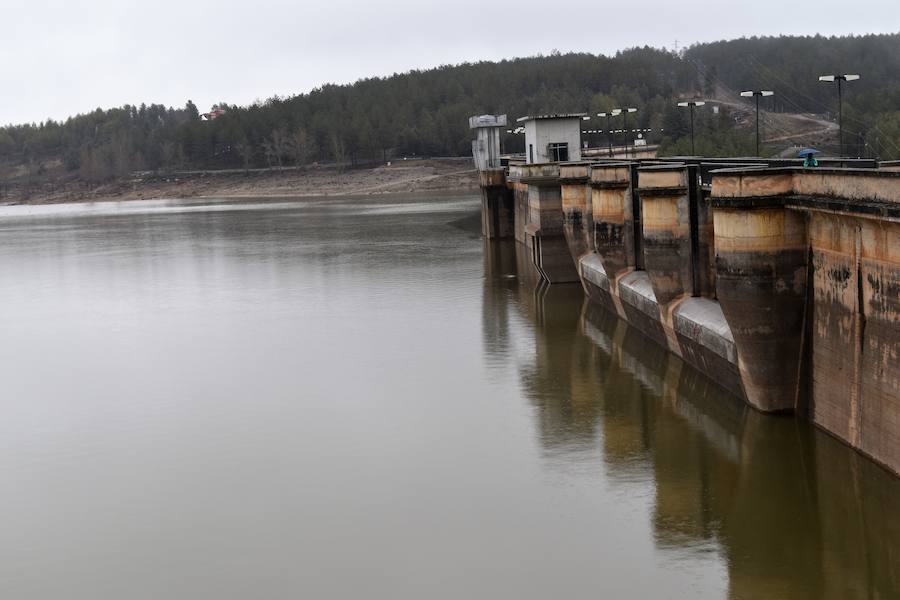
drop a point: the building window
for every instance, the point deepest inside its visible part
(558, 152)
(531, 153)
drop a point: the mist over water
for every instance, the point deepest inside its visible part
(358, 397)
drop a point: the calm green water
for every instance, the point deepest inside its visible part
(358, 398)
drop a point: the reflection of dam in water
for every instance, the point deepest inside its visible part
(792, 512)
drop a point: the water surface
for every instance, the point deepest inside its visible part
(357, 397)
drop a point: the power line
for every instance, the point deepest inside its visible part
(756, 64)
(771, 122)
(769, 73)
(811, 100)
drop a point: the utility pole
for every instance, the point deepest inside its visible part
(692, 104)
(757, 95)
(839, 79)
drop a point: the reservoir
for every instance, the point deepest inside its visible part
(359, 397)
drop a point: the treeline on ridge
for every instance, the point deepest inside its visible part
(425, 113)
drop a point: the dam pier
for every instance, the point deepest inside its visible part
(781, 284)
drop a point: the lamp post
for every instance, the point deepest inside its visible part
(691, 104)
(582, 143)
(608, 116)
(757, 95)
(839, 79)
(624, 112)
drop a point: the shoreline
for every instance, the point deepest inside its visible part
(412, 176)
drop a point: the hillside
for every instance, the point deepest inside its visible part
(791, 66)
(424, 113)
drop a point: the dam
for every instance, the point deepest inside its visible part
(780, 284)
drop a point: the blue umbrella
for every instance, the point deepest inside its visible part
(808, 152)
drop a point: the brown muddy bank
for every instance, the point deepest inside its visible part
(446, 174)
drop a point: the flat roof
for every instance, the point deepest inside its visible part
(479, 121)
(553, 116)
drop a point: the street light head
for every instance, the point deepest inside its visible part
(851, 77)
(700, 103)
(616, 112)
(827, 78)
(767, 93)
(585, 118)
(631, 110)
(747, 94)
(685, 104)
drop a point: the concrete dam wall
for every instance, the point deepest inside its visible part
(780, 284)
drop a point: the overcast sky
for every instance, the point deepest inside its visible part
(60, 57)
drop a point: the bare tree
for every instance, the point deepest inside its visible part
(245, 151)
(302, 147)
(280, 142)
(270, 152)
(338, 150)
